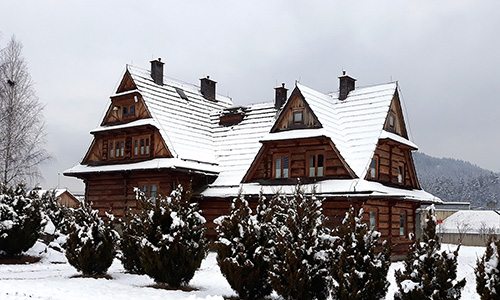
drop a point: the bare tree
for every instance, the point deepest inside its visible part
(22, 126)
(462, 228)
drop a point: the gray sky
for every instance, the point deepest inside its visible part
(445, 55)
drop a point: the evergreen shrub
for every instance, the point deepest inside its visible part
(429, 273)
(20, 220)
(241, 249)
(90, 247)
(360, 269)
(131, 237)
(488, 271)
(301, 248)
(174, 242)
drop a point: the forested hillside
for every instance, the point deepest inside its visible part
(457, 180)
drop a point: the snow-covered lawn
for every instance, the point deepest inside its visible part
(49, 280)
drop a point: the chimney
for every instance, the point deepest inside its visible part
(281, 95)
(347, 84)
(208, 88)
(157, 71)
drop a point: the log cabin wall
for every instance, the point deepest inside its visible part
(395, 220)
(99, 152)
(391, 158)
(114, 192)
(298, 152)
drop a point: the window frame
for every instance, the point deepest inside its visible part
(316, 155)
(149, 187)
(373, 214)
(298, 112)
(281, 157)
(402, 224)
(112, 149)
(376, 169)
(401, 174)
(141, 146)
(128, 111)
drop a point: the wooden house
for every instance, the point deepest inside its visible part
(63, 197)
(350, 146)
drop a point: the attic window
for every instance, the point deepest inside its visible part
(297, 117)
(181, 93)
(129, 111)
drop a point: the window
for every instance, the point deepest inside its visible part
(391, 120)
(116, 148)
(141, 145)
(316, 165)
(297, 117)
(181, 93)
(373, 168)
(373, 220)
(128, 111)
(402, 224)
(281, 166)
(149, 190)
(400, 174)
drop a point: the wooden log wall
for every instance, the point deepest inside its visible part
(99, 150)
(298, 151)
(115, 192)
(390, 158)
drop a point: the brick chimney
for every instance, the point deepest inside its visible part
(207, 87)
(347, 84)
(281, 96)
(157, 71)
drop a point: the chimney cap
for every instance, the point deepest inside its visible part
(157, 61)
(344, 75)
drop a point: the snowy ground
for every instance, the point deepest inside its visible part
(53, 278)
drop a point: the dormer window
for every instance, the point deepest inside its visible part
(128, 111)
(298, 117)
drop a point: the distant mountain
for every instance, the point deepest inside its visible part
(455, 180)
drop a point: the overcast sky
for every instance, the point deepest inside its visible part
(444, 54)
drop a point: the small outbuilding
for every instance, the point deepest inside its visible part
(470, 227)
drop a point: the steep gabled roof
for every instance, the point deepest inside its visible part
(184, 124)
(354, 124)
(237, 145)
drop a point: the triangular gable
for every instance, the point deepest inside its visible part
(394, 121)
(298, 152)
(296, 114)
(126, 84)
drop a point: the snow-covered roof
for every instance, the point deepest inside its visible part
(331, 187)
(135, 123)
(354, 124)
(185, 125)
(199, 143)
(157, 163)
(471, 221)
(397, 138)
(58, 192)
(237, 145)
